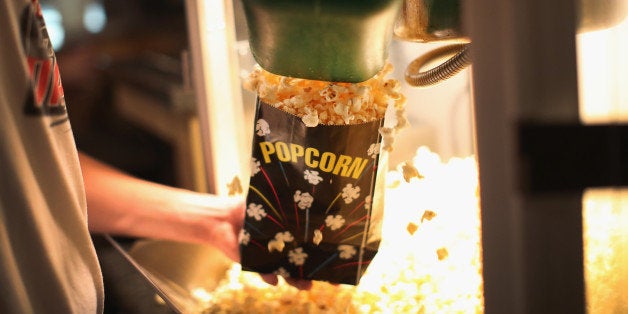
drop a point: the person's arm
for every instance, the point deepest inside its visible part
(120, 204)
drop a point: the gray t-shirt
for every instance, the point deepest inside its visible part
(47, 260)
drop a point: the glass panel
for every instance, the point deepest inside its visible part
(602, 77)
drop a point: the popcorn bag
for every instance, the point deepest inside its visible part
(315, 198)
(310, 210)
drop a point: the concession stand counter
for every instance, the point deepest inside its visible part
(542, 111)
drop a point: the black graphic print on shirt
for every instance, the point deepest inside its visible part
(47, 97)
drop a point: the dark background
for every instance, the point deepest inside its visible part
(142, 39)
(136, 34)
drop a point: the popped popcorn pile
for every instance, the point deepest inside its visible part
(330, 103)
(429, 259)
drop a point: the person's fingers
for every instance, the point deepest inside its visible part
(270, 279)
(300, 284)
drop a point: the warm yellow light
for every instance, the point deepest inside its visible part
(603, 75)
(603, 78)
(605, 222)
(437, 268)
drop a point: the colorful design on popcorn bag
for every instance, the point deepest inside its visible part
(309, 209)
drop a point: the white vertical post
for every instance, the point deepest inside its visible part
(216, 83)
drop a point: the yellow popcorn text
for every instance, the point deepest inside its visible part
(343, 165)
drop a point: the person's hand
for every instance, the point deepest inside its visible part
(221, 228)
(231, 246)
(234, 222)
(217, 221)
(300, 284)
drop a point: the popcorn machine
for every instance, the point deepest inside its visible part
(520, 114)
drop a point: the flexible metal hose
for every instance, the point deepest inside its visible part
(444, 71)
